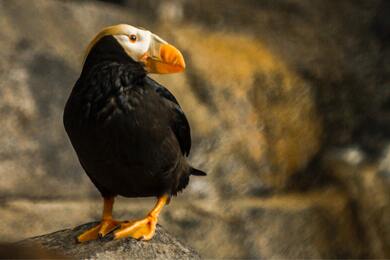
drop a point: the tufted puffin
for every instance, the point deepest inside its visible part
(129, 132)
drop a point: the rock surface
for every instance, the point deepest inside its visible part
(162, 246)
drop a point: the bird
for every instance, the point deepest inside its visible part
(129, 132)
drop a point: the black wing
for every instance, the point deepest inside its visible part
(179, 125)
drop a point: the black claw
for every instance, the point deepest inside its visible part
(109, 236)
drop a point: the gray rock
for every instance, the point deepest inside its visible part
(162, 246)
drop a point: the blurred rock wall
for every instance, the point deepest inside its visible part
(289, 104)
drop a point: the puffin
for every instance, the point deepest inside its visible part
(129, 132)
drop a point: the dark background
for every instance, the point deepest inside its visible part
(289, 104)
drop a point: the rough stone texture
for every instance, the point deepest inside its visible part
(321, 223)
(289, 105)
(163, 246)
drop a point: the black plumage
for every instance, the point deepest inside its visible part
(129, 132)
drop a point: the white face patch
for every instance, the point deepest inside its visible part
(135, 42)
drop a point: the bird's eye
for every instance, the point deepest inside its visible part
(133, 38)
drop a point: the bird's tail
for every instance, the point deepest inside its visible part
(197, 172)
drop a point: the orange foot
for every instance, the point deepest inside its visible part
(99, 231)
(142, 229)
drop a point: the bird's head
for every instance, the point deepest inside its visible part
(139, 45)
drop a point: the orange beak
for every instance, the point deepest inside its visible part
(163, 58)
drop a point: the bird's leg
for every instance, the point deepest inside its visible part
(106, 225)
(143, 229)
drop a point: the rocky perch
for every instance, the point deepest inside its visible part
(63, 243)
